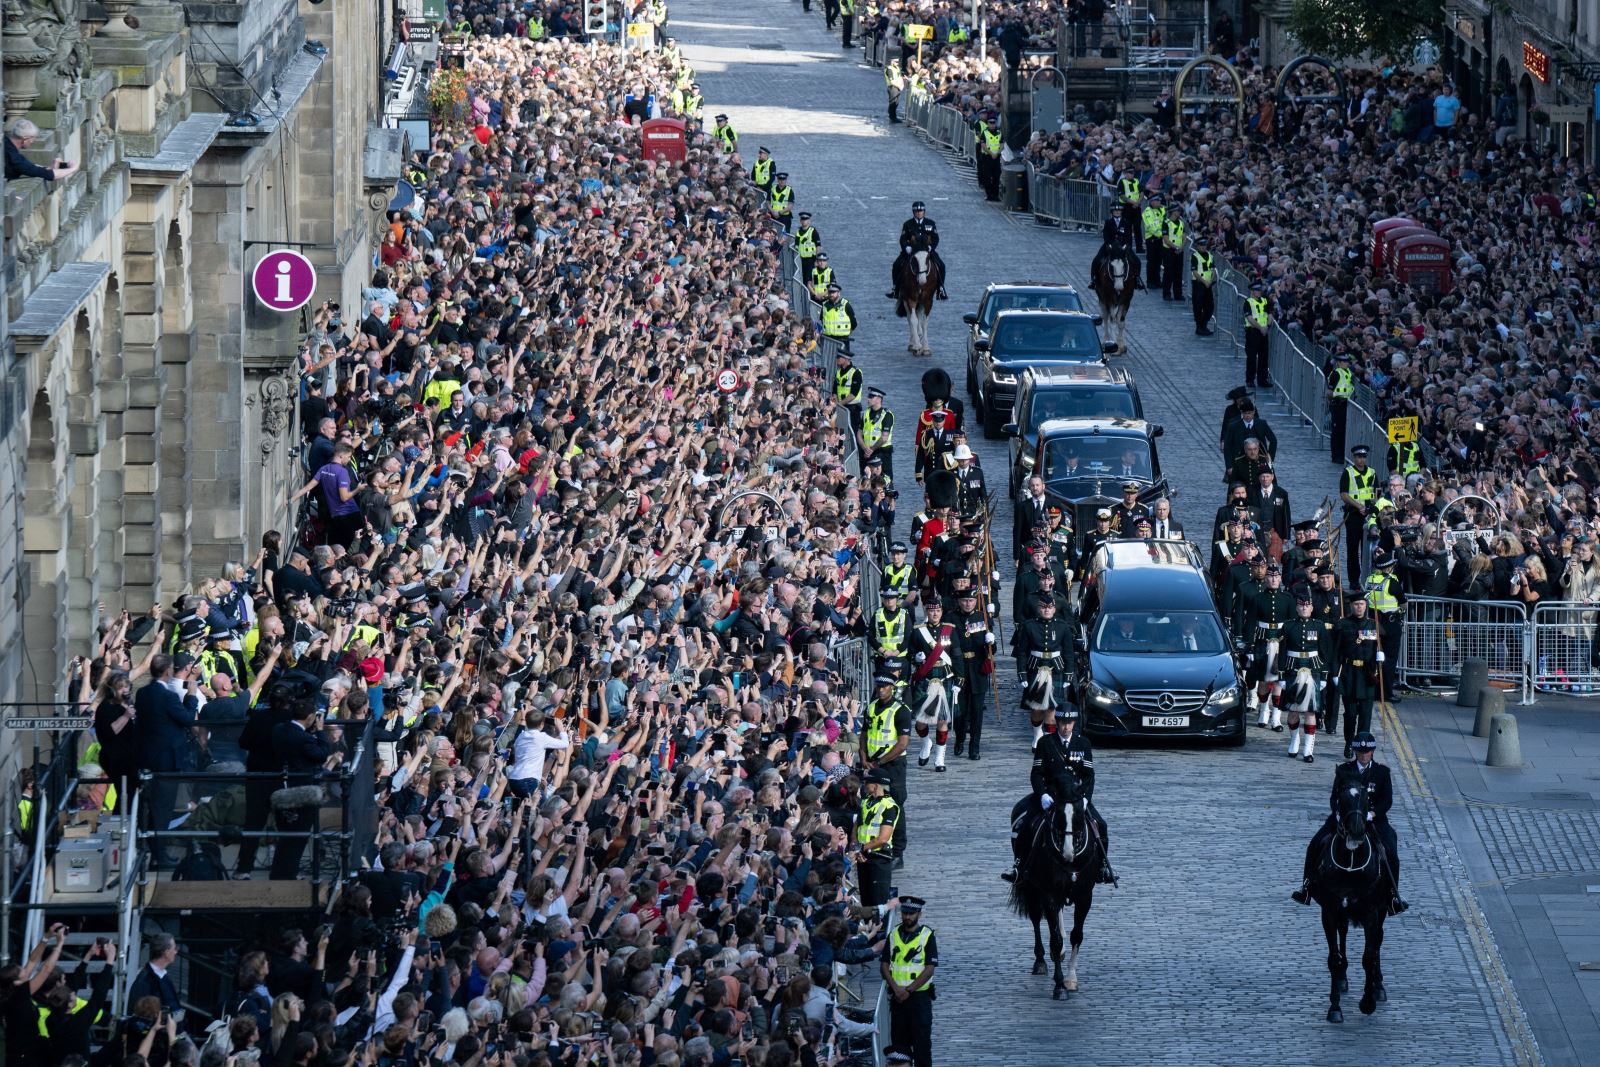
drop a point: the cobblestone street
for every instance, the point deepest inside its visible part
(1199, 957)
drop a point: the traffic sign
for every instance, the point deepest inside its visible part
(641, 29)
(50, 722)
(284, 280)
(1402, 430)
(728, 381)
(919, 31)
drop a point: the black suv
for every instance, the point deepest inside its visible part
(1016, 296)
(1086, 462)
(1155, 659)
(1090, 391)
(1023, 339)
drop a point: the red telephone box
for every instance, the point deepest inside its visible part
(663, 139)
(1422, 261)
(1380, 236)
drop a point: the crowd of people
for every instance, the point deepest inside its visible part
(622, 769)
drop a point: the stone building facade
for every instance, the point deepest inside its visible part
(147, 408)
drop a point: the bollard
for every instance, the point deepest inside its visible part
(1491, 702)
(1474, 676)
(1505, 748)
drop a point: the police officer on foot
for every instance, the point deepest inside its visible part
(1366, 771)
(1341, 387)
(909, 959)
(875, 829)
(807, 242)
(877, 432)
(847, 21)
(761, 170)
(838, 317)
(1358, 488)
(1257, 323)
(819, 277)
(1387, 602)
(1202, 275)
(727, 139)
(894, 81)
(883, 749)
(989, 146)
(782, 200)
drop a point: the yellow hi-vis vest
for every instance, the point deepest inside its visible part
(880, 728)
(835, 320)
(874, 431)
(1362, 484)
(907, 956)
(1344, 383)
(1257, 313)
(1153, 219)
(874, 813)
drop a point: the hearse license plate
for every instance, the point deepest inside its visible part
(1166, 720)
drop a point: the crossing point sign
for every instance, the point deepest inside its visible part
(1402, 430)
(919, 31)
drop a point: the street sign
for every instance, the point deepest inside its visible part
(919, 31)
(641, 29)
(1402, 430)
(284, 280)
(728, 381)
(50, 722)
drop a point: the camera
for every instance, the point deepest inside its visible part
(342, 608)
(1408, 535)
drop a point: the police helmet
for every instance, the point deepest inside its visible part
(918, 205)
(898, 546)
(1068, 713)
(1364, 741)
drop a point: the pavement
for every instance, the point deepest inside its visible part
(1198, 956)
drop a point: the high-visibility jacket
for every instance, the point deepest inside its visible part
(440, 389)
(881, 735)
(1379, 588)
(1257, 315)
(877, 432)
(658, 13)
(1362, 484)
(1130, 190)
(991, 142)
(907, 955)
(894, 77)
(874, 813)
(669, 52)
(728, 138)
(78, 1004)
(836, 320)
(847, 384)
(25, 809)
(805, 242)
(685, 77)
(1154, 220)
(1174, 238)
(762, 172)
(890, 631)
(897, 577)
(1406, 458)
(958, 34)
(821, 278)
(782, 196)
(691, 104)
(847, 7)
(1202, 269)
(536, 29)
(1344, 383)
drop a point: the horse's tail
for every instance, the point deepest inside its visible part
(899, 307)
(1019, 895)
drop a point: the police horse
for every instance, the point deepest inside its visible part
(918, 277)
(1062, 864)
(1349, 884)
(1114, 276)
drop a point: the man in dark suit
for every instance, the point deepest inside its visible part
(1367, 771)
(1249, 424)
(1271, 504)
(259, 755)
(304, 754)
(1030, 513)
(1162, 524)
(165, 721)
(153, 980)
(392, 885)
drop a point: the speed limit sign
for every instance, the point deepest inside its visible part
(728, 380)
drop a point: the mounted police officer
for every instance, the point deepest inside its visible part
(1265, 617)
(879, 820)
(975, 667)
(920, 233)
(883, 748)
(1366, 771)
(1062, 773)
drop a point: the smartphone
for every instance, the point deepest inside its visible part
(655, 850)
(748, 1032)
(424, 1022)
(783, 974)
(433, 950)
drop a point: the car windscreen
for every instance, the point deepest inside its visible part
(1096, 456)
(1168, 633)
(1050, 300)
(1107, 402)
(1047, 337)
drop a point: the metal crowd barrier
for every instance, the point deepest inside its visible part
(855, 662)
(1068, 202)
(1298, 378)
(1441, 634)
(1563, 658)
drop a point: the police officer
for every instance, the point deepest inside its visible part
(879, 820)
(820, 277)
(1062, 773)
(989, 146)
(1093, 539)
(1044, 650)
(894, 81)
(1125, 515)
(883, 748)
(910, 956)
(1357, 651)
(1153, 227)
(1305, 646)
(1172, 237)
(877, 432)
(761, 171)
(897, 572)
(1358, 488)
(1387, 601)
(974, 669)
(838, 317)
(1257, 324)
(725, 137)
(918, 231)
(890, 623)
(807, 241)
(1341, 387)
(847, 21)
(1405, 458)
(1366, 771)
(1203, 275)
(781, 199)
(1267, 612)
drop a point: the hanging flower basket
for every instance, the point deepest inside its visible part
(447, 96)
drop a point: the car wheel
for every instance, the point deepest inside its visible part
(972, 383)
(992, 421)
(1239, 736)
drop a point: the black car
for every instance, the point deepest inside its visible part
(1090, 391)
(1016, 296)
(1086, 462)
(1020, 340)
(1155, 659)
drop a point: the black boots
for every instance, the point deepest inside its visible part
(1303, 894)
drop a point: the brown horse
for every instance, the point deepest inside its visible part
(918, 276)
(1114, 276)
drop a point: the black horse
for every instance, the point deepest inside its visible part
(1049, 878)
(1349, 884)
